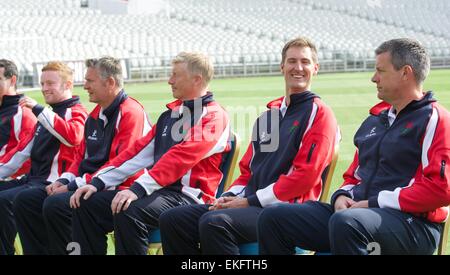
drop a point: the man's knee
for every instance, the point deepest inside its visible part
(343, 222)
(53, 204)
(211, 221)
(23, 199)
(127, 215)
(268, 217)
(168, 218)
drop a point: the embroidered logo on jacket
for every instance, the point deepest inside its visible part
(93, 136)
(294, 126)
(407, 128)
(264, 137)
(164, 133)
(38, 130)
(372, 132)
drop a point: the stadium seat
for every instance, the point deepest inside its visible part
(327, 177)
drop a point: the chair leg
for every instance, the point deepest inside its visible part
(154, 249)
(17, 247)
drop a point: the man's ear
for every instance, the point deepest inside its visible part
(13, 80)
(408, 72)
(68, 85)
(316, 68)
(111, 82)
(198, 79)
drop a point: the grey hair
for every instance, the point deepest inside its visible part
(108, 67)
(406, 51)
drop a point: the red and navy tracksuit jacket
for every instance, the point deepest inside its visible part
(52, 146)
(16, 124)
(183, 151)
(107, 133)
(308, 132)
(403, 166)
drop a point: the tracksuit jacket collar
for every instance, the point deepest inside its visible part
(65, 104)
(110, 110)
(413, 105)
(190, 103)
(10, 100)
(296, 99)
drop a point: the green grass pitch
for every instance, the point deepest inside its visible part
(350, 95)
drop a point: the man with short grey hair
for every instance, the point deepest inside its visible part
(182, 153)
(396, 191)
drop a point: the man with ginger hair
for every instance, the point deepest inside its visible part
(50, 147)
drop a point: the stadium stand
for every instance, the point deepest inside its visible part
(233, 32)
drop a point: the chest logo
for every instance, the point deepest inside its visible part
(164, 133)
(263, 137)
(38, 130)
(294, 126)
(372, 132)
(93, 136)
(408, 127)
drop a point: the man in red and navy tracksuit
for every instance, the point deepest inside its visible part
(182, 153)
(44, 216)
(396, 192)
(292, 144)
(16, 123)
(51, 147)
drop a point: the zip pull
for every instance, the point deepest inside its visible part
(443, 169)
(310, 152)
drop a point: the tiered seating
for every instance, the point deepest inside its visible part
(231, 31)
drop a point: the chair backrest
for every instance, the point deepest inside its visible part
(443, 241)
(327, 175)
(229, 163)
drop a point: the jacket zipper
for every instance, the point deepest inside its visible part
(310, 152)
(443, 169)
(369, 182)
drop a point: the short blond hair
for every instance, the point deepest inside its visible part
(65, 72)
(197, 63)
(301, 42)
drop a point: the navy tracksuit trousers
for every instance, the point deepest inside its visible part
(315, 226)
(94, 219)
(218, 232)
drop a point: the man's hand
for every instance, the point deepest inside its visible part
(229, 202)
(86, 190)
(51, 188)
(61, 189)
(27, 102)
(122, 200)
(342, 203)
(361, 204)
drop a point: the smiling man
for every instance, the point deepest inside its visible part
(289, 172)
(43, 215)
(50, 147)
(396, 192)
